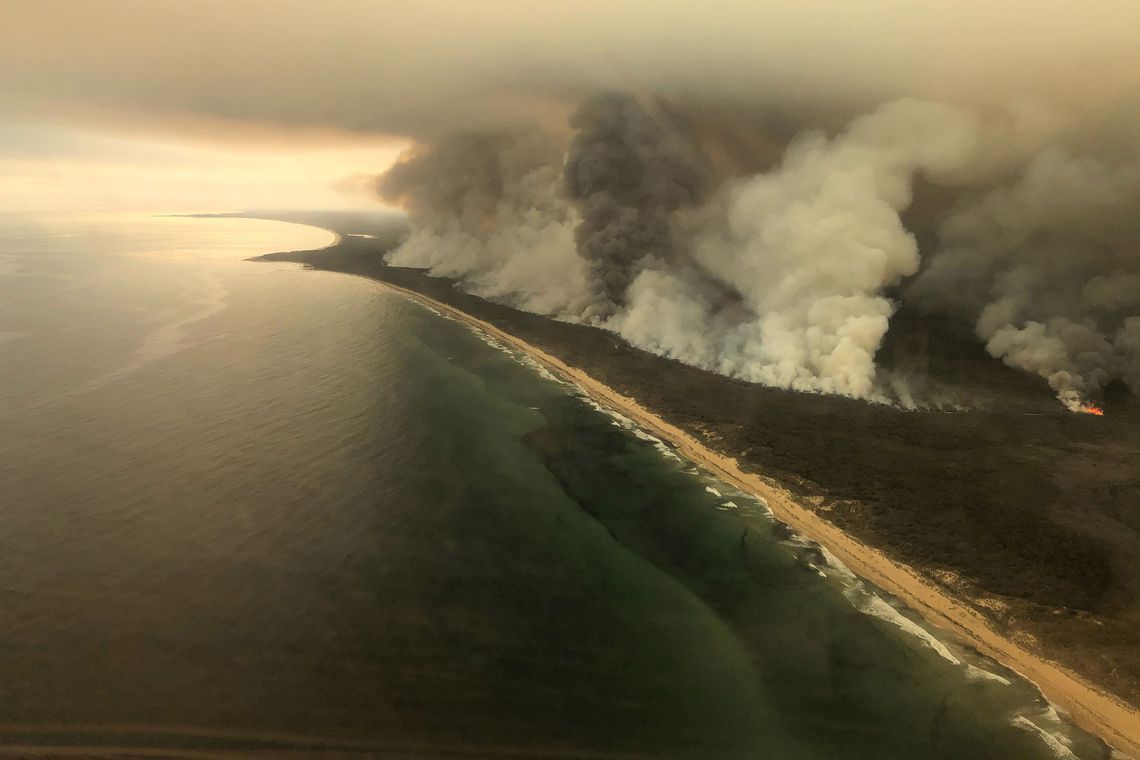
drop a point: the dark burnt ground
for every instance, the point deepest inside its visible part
(1027, 509)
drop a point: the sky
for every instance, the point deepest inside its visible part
(216, 104)
(749, 186)
(46, 167)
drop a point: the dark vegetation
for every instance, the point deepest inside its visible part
(1008, 500)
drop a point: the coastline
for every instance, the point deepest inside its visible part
(1086, 705)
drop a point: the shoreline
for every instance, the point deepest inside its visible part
(1086, 705)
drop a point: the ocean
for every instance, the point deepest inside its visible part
(250, 508)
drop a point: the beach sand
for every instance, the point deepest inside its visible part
(1087, 706)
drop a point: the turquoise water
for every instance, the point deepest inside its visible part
(249, 507)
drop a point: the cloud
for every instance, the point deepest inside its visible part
(419, 69)
(728, 183)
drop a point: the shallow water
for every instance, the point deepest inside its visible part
(245, 506)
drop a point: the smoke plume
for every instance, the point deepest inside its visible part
(743, 185)
(807, 250)
(627, 172)
(1048, 268)
(782, 277)
(487, 208)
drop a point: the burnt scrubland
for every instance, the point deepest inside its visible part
(997, 493)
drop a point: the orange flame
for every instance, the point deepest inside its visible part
(1093, 409)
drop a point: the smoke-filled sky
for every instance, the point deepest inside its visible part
(382, 67)
(751, 186)
(266, 98)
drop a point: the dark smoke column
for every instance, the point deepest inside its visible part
(627, 171)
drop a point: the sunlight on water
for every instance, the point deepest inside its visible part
(173, 237)
(247, 506)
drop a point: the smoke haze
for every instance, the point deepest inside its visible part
(782, 276)
(723, 183)
(1048, 269)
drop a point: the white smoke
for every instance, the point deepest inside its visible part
(808, 249)
(487, 209)
(782, 277)
(1049, 269)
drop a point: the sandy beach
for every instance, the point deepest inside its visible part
(1086, 705)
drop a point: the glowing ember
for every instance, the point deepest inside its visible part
(1093, 409)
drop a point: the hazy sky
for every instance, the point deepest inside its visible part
(48, 167)
(224, 103)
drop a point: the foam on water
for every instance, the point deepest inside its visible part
(854, 589)
(974, 673)
(1057, 743)
(519, 356)
(838, 568)
(257, 456)
(864, 599)
(874, 605)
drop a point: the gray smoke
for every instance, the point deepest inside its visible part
(1128, 346)
(776, 258)
(807, 249)
(488, 209)
(627, 171)
(781, 277)
(1048, 268)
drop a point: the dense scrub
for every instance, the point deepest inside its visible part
(1013, 501)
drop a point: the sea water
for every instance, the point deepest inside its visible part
(247, 507)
